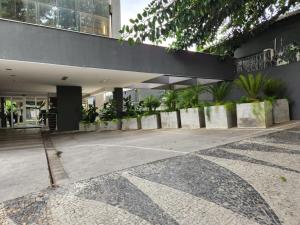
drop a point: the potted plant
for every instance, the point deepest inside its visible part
(131, 119)
(108, 117)
(253, 112)
(275, 90)
(220, 114)
(191, 111)
(88, 119)
(170, 117)
(150, 118)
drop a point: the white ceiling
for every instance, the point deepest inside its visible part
(28, 77)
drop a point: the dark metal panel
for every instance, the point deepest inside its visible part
(69, 102)
(46, 45)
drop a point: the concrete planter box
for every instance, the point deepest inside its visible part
(111, 125)
(281, 111)
(192, 118)
(131, 124)
(255, 115)
(219, 117)
(150, 122)
(86, 127)
(170, 120)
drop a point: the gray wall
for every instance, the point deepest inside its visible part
(288, 30)
(46, 45)
(290, 74)
(69, 101)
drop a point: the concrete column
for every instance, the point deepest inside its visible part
(115, 18)
(69, 101)
(118, 99)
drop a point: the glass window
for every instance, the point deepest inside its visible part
(48, 2)
(101, 7)
(8, 9)
(47, 15)
(86, 23)
(101, 25)
(67, 19)
(69, 4)
(85, 6)
(31, 12)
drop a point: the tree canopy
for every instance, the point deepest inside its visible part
(215, 26)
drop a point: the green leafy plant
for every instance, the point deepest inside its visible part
(170, 99)
(190, 22)
(252, 85)
(219, 91)
(189, 98)
(108, 112)
(129, 108)
(92, 114)
(274, 88)
(151, 103)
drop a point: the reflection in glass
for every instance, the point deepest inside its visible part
(47, 15)
(89, 16)
(67, 19)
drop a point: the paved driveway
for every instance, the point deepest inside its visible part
(92, 154)
(254, 180)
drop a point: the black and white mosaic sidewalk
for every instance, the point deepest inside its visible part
(254, 181)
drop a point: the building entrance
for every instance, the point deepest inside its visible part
(23, 111)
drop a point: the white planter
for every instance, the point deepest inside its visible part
(170, 120)
(86, 127)
(298, 56)
(192, 118)
(150, 122)
(111, 125)
(255, 115)
(219, 117)
(131, 124)
(281, 111)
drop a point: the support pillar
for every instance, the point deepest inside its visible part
(69, 102)
(118, 99)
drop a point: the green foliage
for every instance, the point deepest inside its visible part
(219, 91)
(109, 111)
(151, 103)
(220, 26)
(170, 99)
(189, 98)
(129, 107)
(251, 84)
(274, 88)
(89, 115)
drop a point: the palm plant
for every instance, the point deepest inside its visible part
(251, 85)
(274, 88)
(170, 99)
(151, 103)
(189, 98)
(219, 91)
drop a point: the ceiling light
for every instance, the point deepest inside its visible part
(64, 78)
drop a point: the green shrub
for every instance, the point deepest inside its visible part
(151, 103)
(274, 88)
(189, 98)
(251, 84)
(170, 99)
(219, 91)
(109, 111)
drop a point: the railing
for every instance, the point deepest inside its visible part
(49, 120)
(256, 62)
